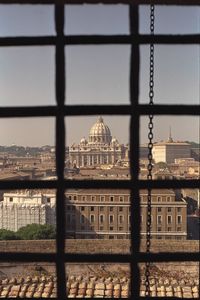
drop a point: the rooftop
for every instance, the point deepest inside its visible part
(98, 287)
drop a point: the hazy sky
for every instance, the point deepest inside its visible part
(96, 74)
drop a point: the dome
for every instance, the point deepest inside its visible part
(114, 141)
(83, 141)
(100, 133)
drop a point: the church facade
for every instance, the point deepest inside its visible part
(100, 148)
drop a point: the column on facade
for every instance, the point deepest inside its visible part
(82, 160)
(88, 160)
(100, 159)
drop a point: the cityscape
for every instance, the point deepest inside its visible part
(99, 222)
(100, 214)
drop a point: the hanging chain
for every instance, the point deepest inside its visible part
(150, 147)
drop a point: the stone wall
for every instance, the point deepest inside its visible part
(97, 246)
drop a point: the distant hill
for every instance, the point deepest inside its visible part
(22, 151)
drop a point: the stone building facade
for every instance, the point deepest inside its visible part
(105, 214)
(20, 209)
(169, 151)
(99, 149)
(99, 214)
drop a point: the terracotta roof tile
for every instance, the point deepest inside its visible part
(96, 287)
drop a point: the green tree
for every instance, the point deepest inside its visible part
(37, 232)
(7, 235)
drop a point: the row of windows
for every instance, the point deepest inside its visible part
(120, 208)
(169, 219)
(111, 218)
(117, 198)
(101, 198)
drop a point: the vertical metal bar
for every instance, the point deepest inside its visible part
(134, 152)
(60, 151)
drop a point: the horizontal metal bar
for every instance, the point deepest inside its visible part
(28, 111)
(100, 40)
(142, 109)
(27, 257)
(127, 258)
(28, 184)
(168, 184)
(99, 184)
(141, 2)
(27, 41)
(101, 257)
(127, 39)
(81, 110)
(127, 184)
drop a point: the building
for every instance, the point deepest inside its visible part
(105, 214)
(100, 148)
(168, 151)
(96, 214)
(23, 208)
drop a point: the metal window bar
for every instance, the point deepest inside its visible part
(134, 110)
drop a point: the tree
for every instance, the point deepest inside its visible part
(7, 235)
(37, 232)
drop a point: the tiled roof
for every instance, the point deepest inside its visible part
(96, 287)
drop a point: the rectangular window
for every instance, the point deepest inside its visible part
(121, 198)
(101, 218)
(111, 198)
(93, 198)
(111, 228)
(11, 199)
(83, 198)
(120, 208)
(179, 219)
(159, 209)
(179, 209)
(102, 198)
(92, 218)
(121, 219)
(159, 219)
(159, 199)
(111, 219)
(101, 208)
(111, 208)
(169, 209)
(168, 199)
(92, 208)
(169, 219)
(82, 208)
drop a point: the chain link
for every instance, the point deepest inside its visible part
(150, 147)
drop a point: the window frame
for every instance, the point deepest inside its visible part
(134, 110)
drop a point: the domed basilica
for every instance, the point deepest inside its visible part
(99, 149)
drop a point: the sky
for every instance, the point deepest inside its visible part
(96, 74)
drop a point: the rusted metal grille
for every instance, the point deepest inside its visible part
(134, 110)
